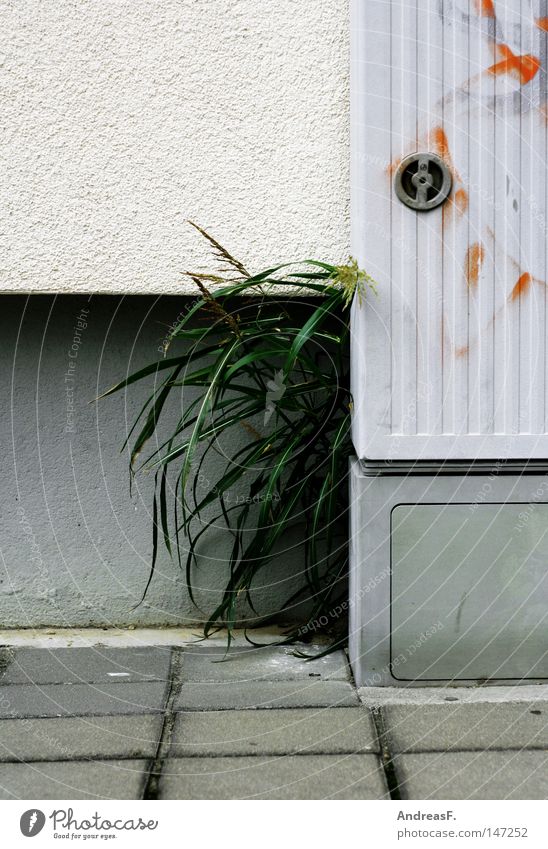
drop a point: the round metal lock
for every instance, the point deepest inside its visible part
(423, 181)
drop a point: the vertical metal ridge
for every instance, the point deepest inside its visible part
(517, 393)
(544, 106)
(529, 326)
(442, 330)
(492, 34)
(415, 402)
(469, 398)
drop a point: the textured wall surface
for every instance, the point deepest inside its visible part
(75, 548)
(122, 119)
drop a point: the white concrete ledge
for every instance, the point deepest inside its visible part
(387, 696)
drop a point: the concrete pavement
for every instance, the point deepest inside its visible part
(184, 722)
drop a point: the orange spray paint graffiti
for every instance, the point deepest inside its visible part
(485, 8)
(523, 68)
(521, 287)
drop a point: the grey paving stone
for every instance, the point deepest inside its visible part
(71, 738)
(21, 700)
(474, 775)
(298, 777)
(7, 656)
(464, 726)
(95, 665)
(268, 663)
(266, 694)
(74, 780)
(274, 732)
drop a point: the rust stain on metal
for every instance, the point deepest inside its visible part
(441, 144)
(542, 23)
(437, 139)
(393, 166)
(473, 263)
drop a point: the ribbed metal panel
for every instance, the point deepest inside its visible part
(450, 360)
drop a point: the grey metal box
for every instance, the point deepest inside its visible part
(449, 575)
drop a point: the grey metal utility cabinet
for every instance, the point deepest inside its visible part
(449, 549)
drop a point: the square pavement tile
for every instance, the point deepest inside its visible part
(274, 732)
(73, 780)
(23, 700)
(212, 664)
(473, 775)
(464, 726)
(262, 695)
(96, 665)
(299, 777)
(72, 738)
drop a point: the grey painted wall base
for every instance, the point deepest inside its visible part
(449, 578)
(75, 548)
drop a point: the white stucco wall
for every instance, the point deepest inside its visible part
(123, 118)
